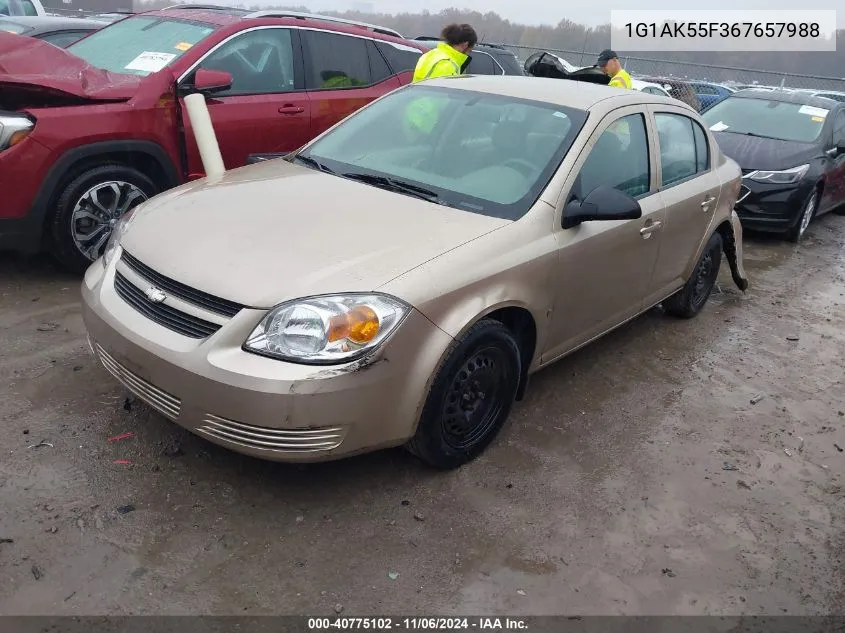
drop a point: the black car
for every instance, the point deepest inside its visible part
(59, 31)
(486, 59)
(791, 148)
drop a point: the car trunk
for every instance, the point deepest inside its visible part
(547, 65)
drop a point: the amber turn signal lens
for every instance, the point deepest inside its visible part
(363, 324)
(338, 328)
(17, 137)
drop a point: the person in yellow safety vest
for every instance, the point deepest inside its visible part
(609, 63)
(449, 58)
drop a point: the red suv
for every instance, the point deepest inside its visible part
(88, 132)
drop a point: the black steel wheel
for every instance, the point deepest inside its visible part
(470, 398)
(690, 299)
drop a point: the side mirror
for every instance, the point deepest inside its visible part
(209, 81)
(837, 150)
(603, 203)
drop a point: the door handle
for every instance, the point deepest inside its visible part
(291, 109)
(705, 204)
(646, 231)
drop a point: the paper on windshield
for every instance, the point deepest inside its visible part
(183, 46)
(150, 61)
(719, 127)
(813, 111)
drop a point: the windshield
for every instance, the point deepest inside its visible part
(767, 118)
(140, 45)
(483, 153)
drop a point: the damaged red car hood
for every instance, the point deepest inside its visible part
(36, 66)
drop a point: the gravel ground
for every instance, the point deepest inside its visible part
(674, 467)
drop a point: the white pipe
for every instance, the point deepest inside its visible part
(212, 160)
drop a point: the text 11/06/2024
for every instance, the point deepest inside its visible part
(417, 624)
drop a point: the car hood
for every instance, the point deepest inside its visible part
(35, 67)
(274, 231)
(752, 152)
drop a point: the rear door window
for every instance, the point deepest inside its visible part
(334, 61)
(483, 64)
(401, 58)
(683, 147)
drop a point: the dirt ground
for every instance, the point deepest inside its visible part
(675, 467)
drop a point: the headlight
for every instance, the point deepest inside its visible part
(785, 177)
(118, 231)
(13, 129)
(327, 330)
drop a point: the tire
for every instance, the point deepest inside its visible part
(690, 299)
(487, 356)
(117, 188)
(808, 212)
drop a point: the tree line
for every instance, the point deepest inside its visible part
(568, 35)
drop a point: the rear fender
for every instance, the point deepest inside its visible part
(731, 233)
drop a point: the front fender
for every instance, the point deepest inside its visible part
(732, 245)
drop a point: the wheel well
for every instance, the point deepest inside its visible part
(141, 161)
(137, 160)
(521, 324)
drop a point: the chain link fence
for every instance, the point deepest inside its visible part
(677, 77)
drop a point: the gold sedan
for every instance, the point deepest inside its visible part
(397, 280)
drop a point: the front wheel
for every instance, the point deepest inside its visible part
(808, 211)
(470, 398)
(690, 299)
(88, 208)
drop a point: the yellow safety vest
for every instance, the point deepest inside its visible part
(442, 61)
(423, 113)
(621, 80)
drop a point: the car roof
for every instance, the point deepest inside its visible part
(225, 16)
(786, 96)
(574, 94)
(431, 42)
(53, 22)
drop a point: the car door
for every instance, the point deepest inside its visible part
(834, 189)
(690, 190)
(342, 74)
(265, 110)
(604, 268)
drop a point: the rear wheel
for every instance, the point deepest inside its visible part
(470, 398)
(88, 208)
(808, 211)
(690, 299)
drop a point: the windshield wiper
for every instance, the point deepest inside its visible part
(393, 184)
(312, 163)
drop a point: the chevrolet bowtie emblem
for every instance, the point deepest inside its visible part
(155, 295)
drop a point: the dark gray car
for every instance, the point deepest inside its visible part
(59, 31)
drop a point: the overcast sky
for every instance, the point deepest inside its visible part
(592, 12)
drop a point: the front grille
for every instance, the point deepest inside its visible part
(279, 440)
(186, 293)
(166, 404)
(171, 318)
